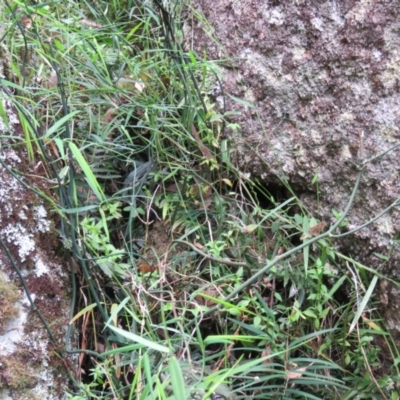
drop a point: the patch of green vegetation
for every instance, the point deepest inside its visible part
(189, 287)
(9, 295)
(15, 373)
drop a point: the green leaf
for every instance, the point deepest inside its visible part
(250, 228)
(364, 303)
(147, 368)
(337, 214)
(60, 145)
(139, 339)
(278, 296)
(192, 58)
(324, 312)
(28, 134)
(275, 226)
(90, 178)
(335, 287)
(78, 209)
(4, 116)
(241, 101)
(177, 380)
(298, 219)
(381, 256)
(104, 223)
(310, 313)
(82, 312)
(54, 128)
(257, 321)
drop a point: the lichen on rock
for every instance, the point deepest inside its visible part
(29, 364)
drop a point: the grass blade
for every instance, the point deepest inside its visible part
(364, 303)
(139, 339)
(90, 178)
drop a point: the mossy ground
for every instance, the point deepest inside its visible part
(9, 295)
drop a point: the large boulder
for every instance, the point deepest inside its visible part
(324, 80)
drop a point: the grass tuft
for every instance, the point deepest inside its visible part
(194, 281)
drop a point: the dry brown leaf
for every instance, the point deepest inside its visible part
(294, 372)
(317, 229)
(266, 353)
(26, 20)
(129, 84)
(110, 114)
(228, 182)
(139, 86)
(204, 205)
(52, 82)
(145, 268)
(173, 187)
(100, 347)
(371, 324)
(206, 153)
(249, 228)
(90, 23)
(198, 245)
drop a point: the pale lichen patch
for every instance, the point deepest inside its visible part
(22, 215)
(41, 267)
(14, 329)
(42, 222)
(21, 238)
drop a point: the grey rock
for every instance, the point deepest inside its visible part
(324, 80)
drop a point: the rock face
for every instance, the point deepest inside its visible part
(324, 80)
(32, 364)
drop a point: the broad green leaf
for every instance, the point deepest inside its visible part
(90, 178)
(54, 128)
(241, 101)
(139, 339)
(28, 134)
(177, 380)
(363, 303)
(78, 209)
(4, 116)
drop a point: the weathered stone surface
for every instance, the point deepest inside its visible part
(30, 362)
(324, 79)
